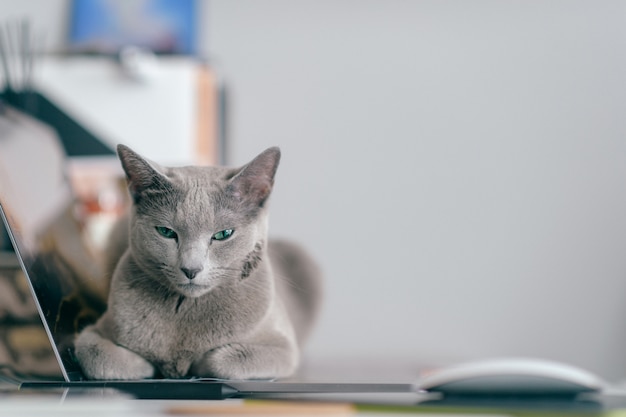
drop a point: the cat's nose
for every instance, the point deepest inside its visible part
(191, 272)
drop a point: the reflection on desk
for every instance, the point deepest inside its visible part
(113, 404)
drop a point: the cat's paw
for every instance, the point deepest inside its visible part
(246, 361)
(100, 358)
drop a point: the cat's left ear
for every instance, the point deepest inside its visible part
(253, 183)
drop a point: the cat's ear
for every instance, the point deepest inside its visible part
(141, 174)
(253, 183)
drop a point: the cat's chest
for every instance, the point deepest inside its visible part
(172, 331)
(171, 326)
(165, 326)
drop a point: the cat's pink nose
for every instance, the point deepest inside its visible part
(191, 272)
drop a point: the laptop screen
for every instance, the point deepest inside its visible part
(50, 207)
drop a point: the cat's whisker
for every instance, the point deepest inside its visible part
(287, 280)
(227, 268)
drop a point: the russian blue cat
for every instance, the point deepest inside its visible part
(199, 289)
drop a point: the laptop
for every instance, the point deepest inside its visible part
(38, 209)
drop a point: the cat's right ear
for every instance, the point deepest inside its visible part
(141, 174)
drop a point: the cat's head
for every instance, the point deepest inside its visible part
(195, 228)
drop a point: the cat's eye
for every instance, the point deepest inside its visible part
(166, 232)
(223, 234)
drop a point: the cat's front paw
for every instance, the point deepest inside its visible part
(246, 361)
(100, 358)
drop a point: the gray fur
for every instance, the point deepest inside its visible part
(250, 303)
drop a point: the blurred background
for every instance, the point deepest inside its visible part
(456, 167)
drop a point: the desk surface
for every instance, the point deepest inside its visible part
(92, 403)
(107, 402)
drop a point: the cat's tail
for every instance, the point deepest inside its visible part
(299, 284)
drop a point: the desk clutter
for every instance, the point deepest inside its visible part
(20, 55)
(29, 118)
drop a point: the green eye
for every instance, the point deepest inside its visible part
(166, 232)
(224, 234)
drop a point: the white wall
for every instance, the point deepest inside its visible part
(456, 167)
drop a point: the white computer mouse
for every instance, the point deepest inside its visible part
(512, 376)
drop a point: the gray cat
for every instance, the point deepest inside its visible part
(199, 289)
